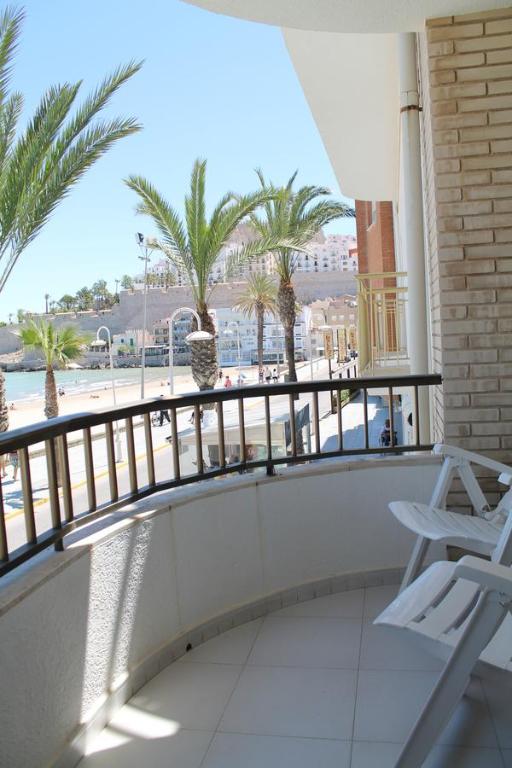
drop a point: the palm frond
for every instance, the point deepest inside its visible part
(260, 294)
(39, 168)
(166, 219)
(10, 113)
(10, 26)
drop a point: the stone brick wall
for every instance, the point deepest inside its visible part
(466, 71)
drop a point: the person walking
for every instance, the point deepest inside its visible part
(227, 382)
(13, 458)
(268, 375)
(275, 376)
(164, 414)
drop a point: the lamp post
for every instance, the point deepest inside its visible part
(109, 342)
(278, 350)
(228, 332)
(170, 320)
(145, 251)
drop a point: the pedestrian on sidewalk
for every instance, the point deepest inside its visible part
(164, 414)
(268, 375)
(13, 458)
(227, 382)
(275, 376)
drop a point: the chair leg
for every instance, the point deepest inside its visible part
(450, 687)
(415, 562)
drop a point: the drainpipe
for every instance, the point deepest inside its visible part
(411, 219)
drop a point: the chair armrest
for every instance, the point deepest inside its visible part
(504, 472)
(488, 574)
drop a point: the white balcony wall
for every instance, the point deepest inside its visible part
(84, 629)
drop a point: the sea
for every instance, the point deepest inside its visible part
(29, 385)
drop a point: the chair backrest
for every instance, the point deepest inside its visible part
(458, 461)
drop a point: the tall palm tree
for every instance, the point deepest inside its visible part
(57, 347)
(295, 217)
(259, 297)
(43, 158)
(194, 244)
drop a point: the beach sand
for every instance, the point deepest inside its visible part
(28, 412)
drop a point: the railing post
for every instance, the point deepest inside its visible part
(28, 501)
(220, 434)
(175, 446)
(132, 460)
(111, 462)
(53, 487)
(4, 549)
(148, 439)
(89, 469)
(67, 496)
(365, 406)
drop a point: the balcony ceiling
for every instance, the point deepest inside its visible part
(351, 85)
(346, 15)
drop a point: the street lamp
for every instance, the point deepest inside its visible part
(278, 349)
(229, 333)
(170, 320)
(145, 251)
(109, 342)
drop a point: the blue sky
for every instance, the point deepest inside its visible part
(211, 86)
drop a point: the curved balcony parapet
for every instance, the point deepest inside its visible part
(83, 629)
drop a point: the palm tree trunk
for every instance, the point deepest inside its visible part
(51, 408)
(259, 323)
(286, 304)
(4, 413)
(204, 354)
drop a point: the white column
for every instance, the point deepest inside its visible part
(411, 218)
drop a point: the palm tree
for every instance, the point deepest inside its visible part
(294, 217)
(259, 297)
(57, 347)
(194, 244)
(43, 158)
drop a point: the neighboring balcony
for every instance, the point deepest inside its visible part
(382, 310)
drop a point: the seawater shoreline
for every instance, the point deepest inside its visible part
(29, 385)
(31, 411)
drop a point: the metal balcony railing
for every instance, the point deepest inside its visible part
(382, 303)
(266, 426)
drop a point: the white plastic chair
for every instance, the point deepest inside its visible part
(433, 522)
(460, 611)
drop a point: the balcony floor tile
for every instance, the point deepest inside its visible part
(232, 750)
(366, 754)
(285, 701)
(120, 748)
(193, 695)
(308, 642)
(314, 685)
